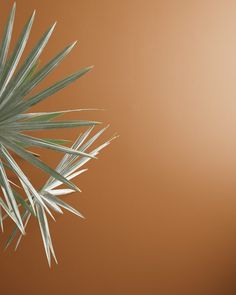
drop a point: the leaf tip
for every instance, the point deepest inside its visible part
(90, 67)
(33, 14)
(53, 26)
(74, 43)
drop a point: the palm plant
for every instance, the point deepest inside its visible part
(21, 200)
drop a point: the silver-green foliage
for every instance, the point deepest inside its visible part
(16, 83)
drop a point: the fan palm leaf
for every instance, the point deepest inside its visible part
(17, 80)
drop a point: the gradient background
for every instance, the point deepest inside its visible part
(160, 202)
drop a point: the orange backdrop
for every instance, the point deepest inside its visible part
(160, 203)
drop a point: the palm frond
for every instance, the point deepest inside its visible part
(17, 79)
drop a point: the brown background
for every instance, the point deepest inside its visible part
(160, 202)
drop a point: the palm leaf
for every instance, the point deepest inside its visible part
(26, 67)
(17, 79)
(11, 65)
(23, 106)
(7, 38)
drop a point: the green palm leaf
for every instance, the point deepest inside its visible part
(12, 63)
(18, 78)
(7, 38)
